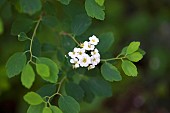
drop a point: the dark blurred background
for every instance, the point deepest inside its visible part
(147, 21)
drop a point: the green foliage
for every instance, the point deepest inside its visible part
(47, 110)
(15, 64)
(65, 2)
(94, 10)
(55, 109)
(106, 41)
(110, 72)
(36, 108)
(30, 7)
(43, 70)
(27, 76)
(88, 94)
(50, 21)
(134, 57)
(22, 37)
(80, 24)
(21, 24)
(75, 91)
(133, 46)
(47, 90)
(100, 2)
(129, 68)
(100, 87)
(49, 35)
(68, 104)
(33, 98)
(52, 67)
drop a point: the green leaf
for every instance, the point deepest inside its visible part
(50, 21)
(22, 37)
(67, 43)
(110, 72)
(100, 87)
(123, 52)
(27, 76)
(1, 27)
(33, 98)
(80, 24)
(47, 90)
(141, 51)
(74, 90)
(94, 10)
(105, 42)
(68, 104)
(55, 109)
(47, 110)
(15, 64)
(133, 46)
(21, 24)
(134, 57)
(36, 108)
(88, 95)
(100, 2)
(53, 69)
(30, 6)
(129, 68)
(65, 2)
(43, 70)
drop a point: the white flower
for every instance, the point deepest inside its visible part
(95, 60)
(94, 40)
(80, 52)
(84, 60)
(72, 54)
(88, 46)
(91, 67)
(75, 62)
(95, 52)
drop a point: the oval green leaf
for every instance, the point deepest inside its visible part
(43, 70)
(106, 41)
(30, 6)
(22, 37)
(80, 24)
(88, 94)
(129, 68)
(27, 76)
(53, 69)
(47, 110)
(110, 72)
(74, 90)
(15, 64)
(133, 46)
(100, 2)
(134, 57)
(100, 87)
(55, 109)
(21, 24)
(36, 108)
(33, 98)
(68, 104)
(94, 10)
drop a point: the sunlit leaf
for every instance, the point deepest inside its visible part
(27, 76)
(129, 68)
(33, 98)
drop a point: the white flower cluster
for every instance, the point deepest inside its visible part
(87, 55)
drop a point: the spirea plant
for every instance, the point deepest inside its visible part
(77, 68)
